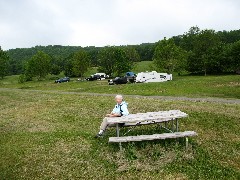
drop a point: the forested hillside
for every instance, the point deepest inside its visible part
(196, 51)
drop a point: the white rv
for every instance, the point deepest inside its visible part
(145, 77)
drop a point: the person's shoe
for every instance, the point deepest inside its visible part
(98, 135)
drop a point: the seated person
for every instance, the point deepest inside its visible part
(119, 110)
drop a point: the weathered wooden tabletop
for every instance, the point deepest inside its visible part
(149, 116)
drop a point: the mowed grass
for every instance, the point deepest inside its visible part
(143, 66)
(227, 86)
(46, 135)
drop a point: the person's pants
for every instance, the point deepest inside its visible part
(105, 124)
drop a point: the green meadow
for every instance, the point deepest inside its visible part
(227, 86)
(47, 130)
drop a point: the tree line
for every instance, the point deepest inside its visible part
(205, 51)
(196, 51)
(113, 61)
(60, 55)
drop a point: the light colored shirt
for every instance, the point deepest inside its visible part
(121, 109)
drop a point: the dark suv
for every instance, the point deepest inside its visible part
(65, 79)
(94, 77)
(118, 80)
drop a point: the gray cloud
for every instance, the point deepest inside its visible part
(27, 23)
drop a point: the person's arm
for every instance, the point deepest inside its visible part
(114, 113)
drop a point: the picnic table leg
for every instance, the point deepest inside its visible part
(118, 132)
(172, 125)
(186, 142)
(176, 130)
(176, 124)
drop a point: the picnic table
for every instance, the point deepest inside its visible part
(162, 117)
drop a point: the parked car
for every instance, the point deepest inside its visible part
(118, 80)
(65, 79)
(94, 77)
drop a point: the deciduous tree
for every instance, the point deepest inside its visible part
(38, 66)
(234, 57)
(3, 63)
(205, 43)
(169, 57)
(81, 63)
(131, 54)
(114, 60)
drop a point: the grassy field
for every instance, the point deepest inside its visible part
(47, 135)
(227, 86)
(143, 66)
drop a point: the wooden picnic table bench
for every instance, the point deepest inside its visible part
(162, 117)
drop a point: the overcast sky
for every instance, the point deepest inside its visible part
(27, 23)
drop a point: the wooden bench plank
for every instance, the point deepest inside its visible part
(152, 137)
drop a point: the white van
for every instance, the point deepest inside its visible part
(102, 75)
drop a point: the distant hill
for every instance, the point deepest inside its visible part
(60, 53)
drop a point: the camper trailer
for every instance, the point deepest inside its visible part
(145, 77)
